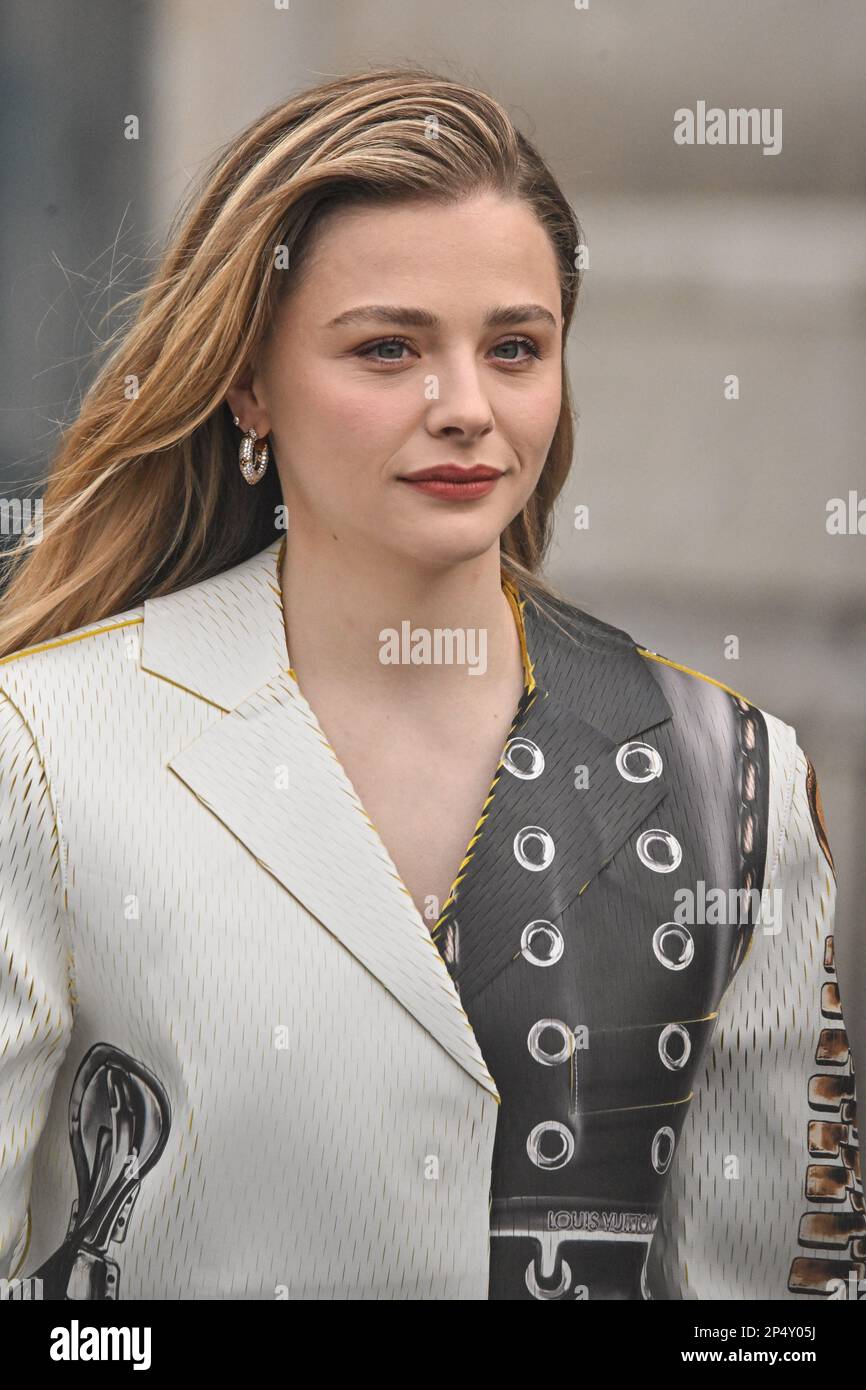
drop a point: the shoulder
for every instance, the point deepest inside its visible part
(768, 745)
(53, 698)
(685, 687)
(102, 650)
(719, 729)
(770, 755)
(687, 684)
(796, 828)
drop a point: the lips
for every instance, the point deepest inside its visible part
(451, 473)
(452, 484)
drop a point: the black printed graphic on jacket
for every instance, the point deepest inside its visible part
(119, 1119)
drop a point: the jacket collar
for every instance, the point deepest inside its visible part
(223, 638)
(592, 693)
(592, 669)
(268, 773)
(266, 770)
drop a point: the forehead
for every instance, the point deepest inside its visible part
(483, 248)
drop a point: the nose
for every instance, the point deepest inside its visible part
(459, 406)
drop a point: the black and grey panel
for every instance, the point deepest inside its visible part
(592, 1002)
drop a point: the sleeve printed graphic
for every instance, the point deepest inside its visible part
(834, 1227)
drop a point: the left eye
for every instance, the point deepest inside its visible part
(517, 343)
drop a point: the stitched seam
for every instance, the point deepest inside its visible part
(699, 675)
(476, 834)
(529, 688)
(188, 689)
(65, 641)
(517, 607)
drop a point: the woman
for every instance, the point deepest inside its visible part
(376, 924)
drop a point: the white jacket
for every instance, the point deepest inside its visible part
(233, 1063)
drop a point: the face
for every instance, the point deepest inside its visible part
(420, 337)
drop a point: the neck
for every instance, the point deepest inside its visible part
(356, 618)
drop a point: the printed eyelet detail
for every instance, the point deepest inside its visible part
(533, 1041)
(541, 1131)
(549, 933)
(659, 850)
(674, 1060)
(639, 762)
(538, 1291)
(663, 1148)
(543, 855)
(686, 946)
(525, 748)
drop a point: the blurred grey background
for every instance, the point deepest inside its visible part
(707, 516)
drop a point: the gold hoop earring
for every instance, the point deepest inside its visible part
(253, 459)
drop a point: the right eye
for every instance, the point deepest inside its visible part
(369, 350)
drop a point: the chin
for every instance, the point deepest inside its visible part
(448, 554)
(449, 539)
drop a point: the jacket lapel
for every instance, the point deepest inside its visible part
(560, 805)
(267, 772)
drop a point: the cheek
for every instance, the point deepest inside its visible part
(382, 413)
(339, 400)
(531, 417)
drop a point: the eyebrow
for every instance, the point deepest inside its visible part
(408, 317)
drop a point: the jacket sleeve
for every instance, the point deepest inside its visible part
(765, 1199)
(36, 991)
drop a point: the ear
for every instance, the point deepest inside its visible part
(247, 405)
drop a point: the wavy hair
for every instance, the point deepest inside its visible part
(144, 495)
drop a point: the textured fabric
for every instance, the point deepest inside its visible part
(235, 1063)
(765, 1199)
(320, 1139)
(597, 1045)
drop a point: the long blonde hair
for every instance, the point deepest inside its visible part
(144, 495)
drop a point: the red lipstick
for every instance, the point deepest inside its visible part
(452, 483)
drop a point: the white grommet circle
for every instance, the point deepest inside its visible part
(541, 855)
(659, 850)
(537, 933)
(684, 946)
(541, 1054)
(639, 762)
(565, 1139)
(673, 1060)
(532, 764)
(663, 1149)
